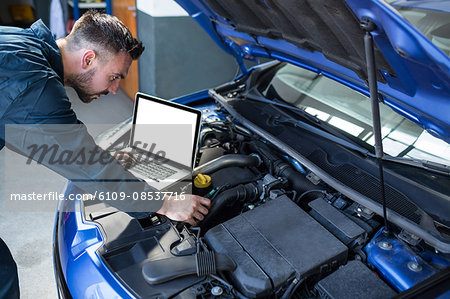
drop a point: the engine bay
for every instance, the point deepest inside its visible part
(274, 230)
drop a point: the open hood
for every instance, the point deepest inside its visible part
(325, 36)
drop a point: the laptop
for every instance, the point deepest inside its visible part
(163, 139)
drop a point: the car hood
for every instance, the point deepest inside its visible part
(325, 36)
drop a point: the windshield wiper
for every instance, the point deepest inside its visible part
(427, 165)
(255, 95)
(424, 164)
(259, 98)
(324, 132)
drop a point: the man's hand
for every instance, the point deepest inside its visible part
(125, 158)
(191, 209)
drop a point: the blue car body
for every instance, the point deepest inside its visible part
(75, 245)
(413, 81)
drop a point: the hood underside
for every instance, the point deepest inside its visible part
(325, 36)
(332, 30)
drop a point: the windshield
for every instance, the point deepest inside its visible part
(435, 25)
(350, 111)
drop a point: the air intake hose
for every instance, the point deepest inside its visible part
(297, 180)
(241, 193)
(227, 161)
(203, 263)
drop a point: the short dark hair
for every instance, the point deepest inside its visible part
(103, 32)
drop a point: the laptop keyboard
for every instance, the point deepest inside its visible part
(153, 170)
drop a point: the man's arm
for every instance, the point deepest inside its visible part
(53, 123)
(52, 135)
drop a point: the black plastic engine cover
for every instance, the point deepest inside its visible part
(354, 280)
(273, 243)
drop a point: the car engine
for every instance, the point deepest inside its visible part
(274, 230)
(280, 229)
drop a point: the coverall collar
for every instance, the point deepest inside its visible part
(51, 51)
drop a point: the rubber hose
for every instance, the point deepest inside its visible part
(297, 180)
(227, 161)
(239, 193)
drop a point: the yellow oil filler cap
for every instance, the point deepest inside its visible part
(202, 181)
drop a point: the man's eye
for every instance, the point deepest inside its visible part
(114, 78)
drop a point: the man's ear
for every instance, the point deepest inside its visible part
(88, 59)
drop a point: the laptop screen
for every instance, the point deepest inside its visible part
(161, 125)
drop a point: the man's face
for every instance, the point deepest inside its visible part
(101, 77)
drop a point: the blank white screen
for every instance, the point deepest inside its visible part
(173, 129)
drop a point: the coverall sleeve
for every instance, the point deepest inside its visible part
(54, 137)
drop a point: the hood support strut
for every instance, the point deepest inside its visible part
(368, 25)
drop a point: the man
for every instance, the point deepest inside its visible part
(34, 69)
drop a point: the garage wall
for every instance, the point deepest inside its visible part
(41, 9)
(180, 57)
(4, 8)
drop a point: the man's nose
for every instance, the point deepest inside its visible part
(114, 86)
